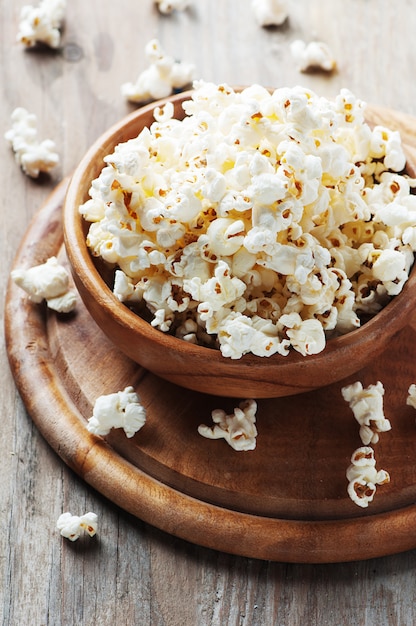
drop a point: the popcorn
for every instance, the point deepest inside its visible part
(270, 12)
(71, 526)
(261, 222)
(411, 398)
(315, 54)
(239, 334)
(168, 6)
(238, 429)
(48, 281)
(33, 156)
(161, 78)
(42, 24)
(117, 410)
(306, 336)
(367, 406)
(386, 144)
(363, 477)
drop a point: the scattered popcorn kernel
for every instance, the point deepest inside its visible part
(42, 24)
(117, 410)
(367, 406)
(64, 303)
(238, 429)
(32, 155)
(314, 55)
(264, 221)
(411, 398)
(168, 6)
(161, 78)
(48, 281)
(363, 477)
(71, 526)
(270, 12)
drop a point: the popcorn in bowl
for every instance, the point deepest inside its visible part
(261, 222)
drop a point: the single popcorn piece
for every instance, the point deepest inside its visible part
(238, 430)
(411, 398)
(163, 76)
(270, 12)
(260, 223)
(363, 477)
(306, 336)
(48, 281)
(42, 24)
(32, 155)
(168, 6)
(367, 406)
(117, 410)
(314, 55)
(71, 526)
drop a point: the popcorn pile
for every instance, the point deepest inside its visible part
(259, 222)
(32, 155)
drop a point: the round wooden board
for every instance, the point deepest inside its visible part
(285, 501)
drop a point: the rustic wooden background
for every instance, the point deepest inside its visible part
(134, 574)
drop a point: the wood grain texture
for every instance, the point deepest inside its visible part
(133, 573)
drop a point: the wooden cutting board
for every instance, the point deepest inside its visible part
(284, 501)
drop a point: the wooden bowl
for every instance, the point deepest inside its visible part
(196, 367)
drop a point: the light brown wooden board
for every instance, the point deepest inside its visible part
(284, 501)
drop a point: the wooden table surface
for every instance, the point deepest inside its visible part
(133, 573)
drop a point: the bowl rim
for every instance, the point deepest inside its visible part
(84, 269)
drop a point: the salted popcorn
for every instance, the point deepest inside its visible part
(411, 397)
(367, 406)
(42, 24)
(168, 6)
(117, 410)
(270, 12)
(263, 222)
(32, 155)
(363, 477)
(48, 281)
(163, 76)
(314, 55)
(71, 526)
(238, 429)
